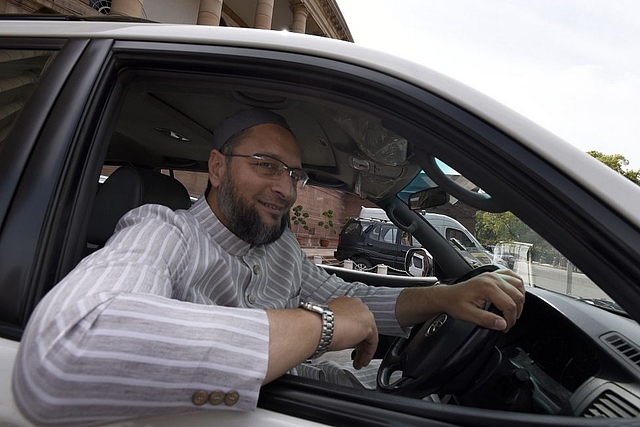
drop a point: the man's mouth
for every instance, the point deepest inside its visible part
(274, 208)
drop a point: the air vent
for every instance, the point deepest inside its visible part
(623, 347)
(611, 405)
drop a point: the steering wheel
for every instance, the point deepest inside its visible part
(442, 355)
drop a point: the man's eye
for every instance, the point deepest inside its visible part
(268, 166)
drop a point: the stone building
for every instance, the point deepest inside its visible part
(316, 17)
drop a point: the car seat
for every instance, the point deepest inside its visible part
(127, 188)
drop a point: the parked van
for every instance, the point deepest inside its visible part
(372, 239)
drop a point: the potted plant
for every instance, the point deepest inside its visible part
(299, 218)
(328, 225)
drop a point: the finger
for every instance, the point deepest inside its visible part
(512, 278)
(504, 302)
(514, 287)
(488, 320)
(365, 351)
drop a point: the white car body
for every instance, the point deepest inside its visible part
(567, 159)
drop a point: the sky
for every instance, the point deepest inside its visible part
(572, 66)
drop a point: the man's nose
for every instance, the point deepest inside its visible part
(284, 185)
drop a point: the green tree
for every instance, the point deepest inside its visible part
(327, 223)
(493, 228)
(618, 163)
(299, 218)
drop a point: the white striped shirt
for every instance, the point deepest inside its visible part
(174, 303)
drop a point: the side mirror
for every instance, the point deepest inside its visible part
(429, 198)
(418, 262)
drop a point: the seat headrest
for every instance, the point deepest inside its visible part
(127, 188)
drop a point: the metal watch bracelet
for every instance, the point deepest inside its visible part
(327, 326)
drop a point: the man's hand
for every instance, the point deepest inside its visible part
(466, 300)
(503, 288)
(294, 334)
(354, 326)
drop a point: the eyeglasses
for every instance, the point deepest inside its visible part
(272, 167)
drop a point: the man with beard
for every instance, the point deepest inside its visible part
(197, 309)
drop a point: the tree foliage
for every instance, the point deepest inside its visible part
(618, 163)
(493, 228)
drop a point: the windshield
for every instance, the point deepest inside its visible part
(503, 239)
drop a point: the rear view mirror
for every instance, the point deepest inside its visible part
(429, 198)
(418, 262)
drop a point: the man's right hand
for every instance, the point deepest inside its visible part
(354, 325)
(291, 340)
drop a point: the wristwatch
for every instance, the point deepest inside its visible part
(327, 326)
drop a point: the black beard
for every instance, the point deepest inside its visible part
(244, 220)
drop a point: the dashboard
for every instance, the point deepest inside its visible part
(563, 357)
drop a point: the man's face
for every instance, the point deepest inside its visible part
(255, 207)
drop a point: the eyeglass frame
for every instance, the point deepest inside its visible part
(302, 181)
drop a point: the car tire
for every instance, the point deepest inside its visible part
(362, 264)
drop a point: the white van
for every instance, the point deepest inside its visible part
(448, 227)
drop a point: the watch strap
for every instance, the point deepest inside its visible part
(327, 326)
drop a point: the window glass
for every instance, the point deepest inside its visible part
(20, 71)
(353, 228)
(452, 233)
(503, 239)
(388, 234)
(375, 233)
(406, 239)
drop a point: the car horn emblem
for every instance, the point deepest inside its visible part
(435, 326)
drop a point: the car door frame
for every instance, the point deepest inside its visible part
(44, 185)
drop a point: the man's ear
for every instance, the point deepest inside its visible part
(217, 168)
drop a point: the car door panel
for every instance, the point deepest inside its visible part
(31, 240)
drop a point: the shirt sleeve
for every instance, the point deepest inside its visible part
(320, 286)
(109, 342)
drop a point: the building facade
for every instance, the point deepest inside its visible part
(316, 17)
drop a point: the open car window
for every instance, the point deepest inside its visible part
(373, 152)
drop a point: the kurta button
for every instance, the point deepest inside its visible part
(256, 269)
(252, 299)
(216, 397)
(231, 398)
(200, 397)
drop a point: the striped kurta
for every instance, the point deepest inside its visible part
(172, 306)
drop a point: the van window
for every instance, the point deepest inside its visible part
(452, 233)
